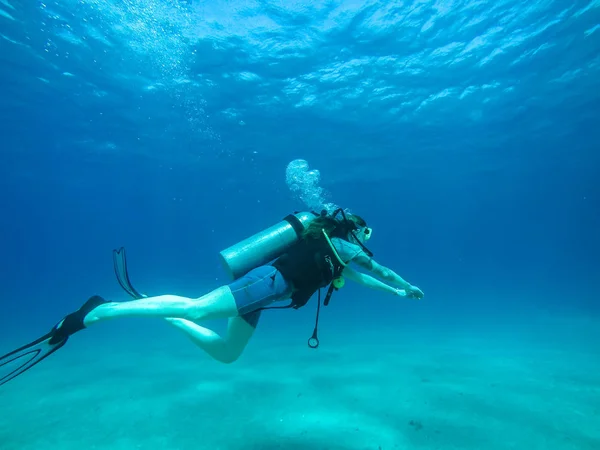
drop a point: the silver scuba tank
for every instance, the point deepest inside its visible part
(265, 246)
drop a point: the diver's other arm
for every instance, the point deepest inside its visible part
(387, 274)
(370, 282)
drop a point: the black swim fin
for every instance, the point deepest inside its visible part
(120, 266)
(29, 355)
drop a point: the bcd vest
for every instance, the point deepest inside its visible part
(309, 265)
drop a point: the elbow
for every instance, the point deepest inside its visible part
(387, 275)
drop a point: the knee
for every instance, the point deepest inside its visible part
(230, 357)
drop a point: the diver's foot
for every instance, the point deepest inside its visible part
(73, 322)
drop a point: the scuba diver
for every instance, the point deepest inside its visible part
(292, 260)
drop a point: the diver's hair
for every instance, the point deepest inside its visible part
(333, 227)
(357, 220)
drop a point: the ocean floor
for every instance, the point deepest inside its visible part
(376, 391)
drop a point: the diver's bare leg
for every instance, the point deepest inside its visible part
(217, 304)
(227, 349)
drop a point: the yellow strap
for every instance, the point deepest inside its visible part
(333, 249)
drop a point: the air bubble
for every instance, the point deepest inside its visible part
(304, 185)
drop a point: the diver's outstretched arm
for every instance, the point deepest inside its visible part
(371, 282)
(387, 274)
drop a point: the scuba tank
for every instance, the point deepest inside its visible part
(264, 246)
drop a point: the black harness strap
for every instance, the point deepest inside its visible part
(295, 223)
(313, 341)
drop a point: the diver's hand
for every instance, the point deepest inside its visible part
(414, 292)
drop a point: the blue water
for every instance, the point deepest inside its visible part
(465, 132)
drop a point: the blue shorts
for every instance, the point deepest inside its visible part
(259, 288)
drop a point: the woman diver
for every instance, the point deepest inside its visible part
(291, 261)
